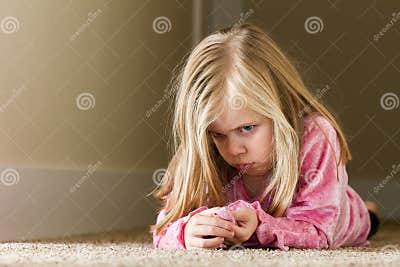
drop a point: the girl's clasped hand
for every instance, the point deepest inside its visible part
(205, 230)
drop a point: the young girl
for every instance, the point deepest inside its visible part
(258, 161)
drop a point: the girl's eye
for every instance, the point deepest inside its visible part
(248, 128)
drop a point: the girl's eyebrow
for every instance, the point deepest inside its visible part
(239, 126)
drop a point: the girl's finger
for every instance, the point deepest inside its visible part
(206, 243)
(240, 230)
(210, 211)
(210, 230)
(214, 221)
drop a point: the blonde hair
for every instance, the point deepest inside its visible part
(240, 60)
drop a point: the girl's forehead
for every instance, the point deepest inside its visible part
(231, 118)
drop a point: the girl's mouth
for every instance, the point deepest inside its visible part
(244, 166)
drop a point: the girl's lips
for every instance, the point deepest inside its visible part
(245, 166)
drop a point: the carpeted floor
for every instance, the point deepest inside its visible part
(134, 248)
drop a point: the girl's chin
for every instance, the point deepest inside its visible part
(250, 171)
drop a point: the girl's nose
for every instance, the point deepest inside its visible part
(236, 148)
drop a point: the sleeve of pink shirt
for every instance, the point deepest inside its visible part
(173, 235)
(311, 219)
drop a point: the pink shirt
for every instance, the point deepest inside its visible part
(324, 213)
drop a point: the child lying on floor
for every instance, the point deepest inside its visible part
(258, 161)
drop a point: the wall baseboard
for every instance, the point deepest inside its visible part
(386, 195)
(46, 203)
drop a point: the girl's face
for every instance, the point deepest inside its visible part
(243, 136)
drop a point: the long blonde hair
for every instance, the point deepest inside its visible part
(240, 60)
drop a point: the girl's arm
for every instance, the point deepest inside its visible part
(173, 235)
(311, 220)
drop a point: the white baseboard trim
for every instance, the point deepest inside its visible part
(384, 193)
(46, 203)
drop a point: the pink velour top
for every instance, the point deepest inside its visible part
(325, 212)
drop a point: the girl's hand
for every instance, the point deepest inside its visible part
(206, 231)
(247, 222)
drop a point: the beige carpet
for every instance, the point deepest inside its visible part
(134, 248)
